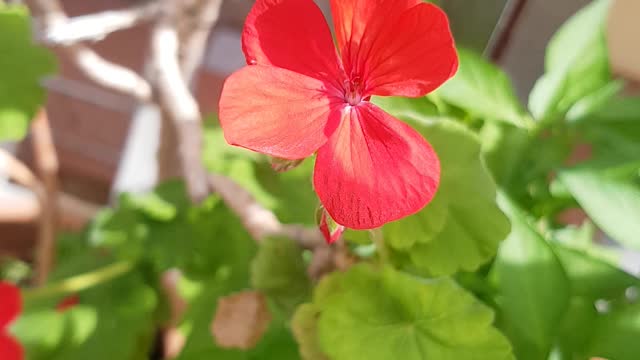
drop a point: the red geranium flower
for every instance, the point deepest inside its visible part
(299, 96)
(10, 307)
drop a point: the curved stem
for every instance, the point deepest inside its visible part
(80, 282)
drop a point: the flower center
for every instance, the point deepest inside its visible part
(353, 90)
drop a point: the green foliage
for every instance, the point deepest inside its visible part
(593, 277)
(305, 330)
(379, 314)
(610, 194)
(280, 272)
(614, 130)
(121, 311)
(22, 66)
(202, 297)
(576, 64)
(163, 229)
(615, 334)
(533, 287)
(483, 90)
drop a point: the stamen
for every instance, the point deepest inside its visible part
(353, 90)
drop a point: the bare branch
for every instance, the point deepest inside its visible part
(50, 15)
(95, 27)
(259, 221)
(109, 74)
(173, 90)
(47, 166)
(194, 38)
(17, 171)
(74, 213)
(176, 100)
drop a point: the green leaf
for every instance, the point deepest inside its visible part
(389, 315)
(576, 64)
(162, 204)
(614, 130)
(620, 109)
(611, 197)
(40, 332)
(463, 226)
(592, 277)
(483, 90)
(576, 327)
(22, 66)
(503, 146)
(533, 287)
(615, 334)
(408, 109)
(590, 104)
(164, 229)
(305, 330)
(280, 272)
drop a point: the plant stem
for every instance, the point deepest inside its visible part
(80, 282)
(378, 239)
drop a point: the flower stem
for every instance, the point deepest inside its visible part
(79, 282)
(378, 239)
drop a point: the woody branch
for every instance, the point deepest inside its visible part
(52, 21)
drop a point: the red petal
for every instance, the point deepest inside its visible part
(374, 169)
(277, 112)
(10, 304)
(290, 34)
(329, 229)
(10, 349)
(398, 47)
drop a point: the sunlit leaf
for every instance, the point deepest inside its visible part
(483, 90)
(384, 314)
(22, 67)
(532, 285)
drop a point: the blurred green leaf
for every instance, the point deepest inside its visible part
(610, 194)
(588, 105)
(152, 205)
(40, 332)
(533, 287)
(503, 146)
(280, 272)
(614, 130)
(620, 109)
(576, 64)
(22, 66)
(483, 90)
(463, 219)
(576, 328)
(385, 314)
(305, 330)
(592, 277)
(164, 229)
(408, 109)
(615, 334)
